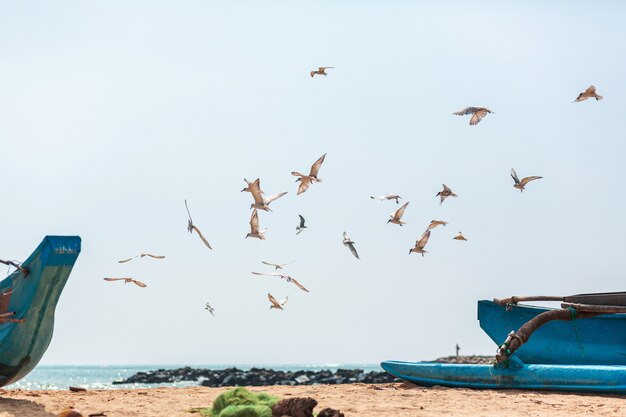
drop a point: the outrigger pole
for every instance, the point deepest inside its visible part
(606, 299)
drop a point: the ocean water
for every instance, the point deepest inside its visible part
(61, 377)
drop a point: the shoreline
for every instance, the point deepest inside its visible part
(96, 377)
(363, 400)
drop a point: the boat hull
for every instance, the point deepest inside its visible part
(605, 379)
(33, 298)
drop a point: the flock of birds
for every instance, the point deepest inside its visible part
(260, 202)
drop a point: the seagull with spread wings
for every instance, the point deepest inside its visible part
(275, 303)
(301, 226)
(286, 277)
(350, 244)
(421, 243)
(396, 216)
(521, 184)
(435, 223)
(128, 280)
(477, 114)
(249, 185)
(277, 266)
(254, 226)
(590, 92)
(260, 202)
(141, 255)
(307, 180)
(387, 197)
(191, 227)
(320, 71)
(210, 309)
(445, 193)
(459, 237)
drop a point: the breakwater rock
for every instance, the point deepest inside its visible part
(473, 359)
(231, 377)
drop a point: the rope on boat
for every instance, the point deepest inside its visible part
(7, 316)
(573, 311)
(15, 265)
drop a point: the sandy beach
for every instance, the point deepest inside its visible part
(363, 400)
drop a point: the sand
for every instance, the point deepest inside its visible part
(363, 400)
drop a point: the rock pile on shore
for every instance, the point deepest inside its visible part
(231, 377)
(254, 377)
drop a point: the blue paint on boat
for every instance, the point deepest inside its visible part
(33, 297)
(581, 378)
(599, 340)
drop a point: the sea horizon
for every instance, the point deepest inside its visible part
(61, 377)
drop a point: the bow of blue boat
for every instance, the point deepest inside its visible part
(32, 294)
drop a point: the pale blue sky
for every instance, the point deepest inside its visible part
(114, 112)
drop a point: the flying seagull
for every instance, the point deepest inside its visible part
(435, 223)
(521, 184)
(396, 216)
(477, 112)
(350, 244)
(277, 266)
(249, 185)
(208, 307)
(387, 197)
(286, 277)
(141, 255)
(420, 243)
(254, 226)
(307, 180)
(301, 226)
(588, 93)
(128, 280)
(260, 202)
(275, 304)
(459, 237)
(191, 227)
(445, 193)
(320, 71)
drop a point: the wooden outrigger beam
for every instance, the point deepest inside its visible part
(606, 299)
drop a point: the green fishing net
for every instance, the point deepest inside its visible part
(239, 402)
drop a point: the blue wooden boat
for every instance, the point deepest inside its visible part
(580, 347)
(32, 293)
(599, 340)
(513, 375)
